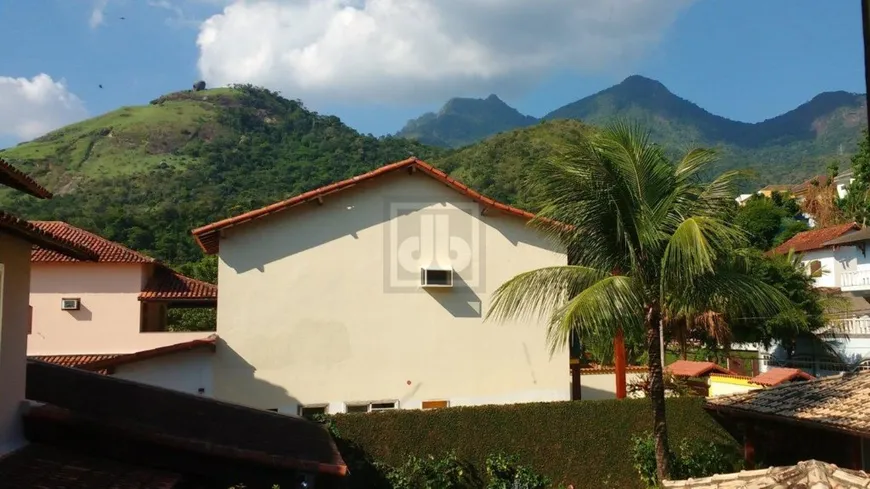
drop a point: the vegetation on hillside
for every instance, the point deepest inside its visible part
(788, 148)
(464, 121)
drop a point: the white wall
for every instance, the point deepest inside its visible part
(835, 262)
(602, 385)
(14, 318)
(308, 312)
(186, 372)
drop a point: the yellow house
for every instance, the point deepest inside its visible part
(371, 293)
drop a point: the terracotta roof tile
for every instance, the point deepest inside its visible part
(814, 239)
(100, 363)
(778, 375)
(47, 467)
(208, 236)
(166, 284)
(689, 368)
(840, 402)
(208, 342)
(17, 179)
(810, 474)
(59, 245)
(180, 421)
(106, 251)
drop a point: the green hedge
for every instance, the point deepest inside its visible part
(587, 443)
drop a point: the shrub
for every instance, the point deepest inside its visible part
(430, 472)
(504, 472)
(585, 443)
(693, 458)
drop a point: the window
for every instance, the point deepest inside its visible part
(815, 266)
(369, 407)
(312, 410)
(434, 404)
(433, 277)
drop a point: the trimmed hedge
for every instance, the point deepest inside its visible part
(586, 443)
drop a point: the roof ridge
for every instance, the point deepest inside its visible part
(207, 236)
(84, 236)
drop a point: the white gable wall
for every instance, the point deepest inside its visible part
(306, 314)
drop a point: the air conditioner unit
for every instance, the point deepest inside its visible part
(436, 277)
(70, 304)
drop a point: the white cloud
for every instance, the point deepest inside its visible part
(97, 12)
(422, 50)
(31, 108)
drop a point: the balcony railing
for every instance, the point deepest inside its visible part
(848, 327)
(859, 279)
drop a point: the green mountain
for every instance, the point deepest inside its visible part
(786, 148)
(145, 176)
(464, 121)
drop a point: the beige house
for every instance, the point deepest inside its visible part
(110, 315)
(371, 293)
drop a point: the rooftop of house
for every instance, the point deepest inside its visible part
(810, 474)
(208, 236)
(839, 403)
(815, 239)
(779, 375)
(689, 368)
(777, 188)
(97, 430)
(165, 284)
(102, 363)
(15, 178)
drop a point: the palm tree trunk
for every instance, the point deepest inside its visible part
(657, 392)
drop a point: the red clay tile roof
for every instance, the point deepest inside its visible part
(17, 179)
(166, 284)
(107, 251)
(814, 239)
(208, 236)
(208, 342)
(689, 368)
(161, 417)
(100, 363)
(47, 467)
(44, 239)
(73, 361)
(778, 375)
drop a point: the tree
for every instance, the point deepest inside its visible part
(769, 221)
(647, 247)
(856, 203)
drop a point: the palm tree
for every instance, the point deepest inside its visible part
(647, 247)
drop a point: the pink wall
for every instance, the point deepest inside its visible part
(108, 321)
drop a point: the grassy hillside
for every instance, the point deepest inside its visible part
(125, 141)
(187, 161)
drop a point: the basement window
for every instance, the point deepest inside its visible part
(311, 410)
(371, 407)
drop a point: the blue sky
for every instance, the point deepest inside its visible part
(375, 64)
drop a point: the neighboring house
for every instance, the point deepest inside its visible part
(837, 258)
(116, 305)
(696, 374)
(184, 367)
(811, 474)
(371, 293)
(596, 383)
(769, 190)
(62, 428)
(111, 315)
(824, 419)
